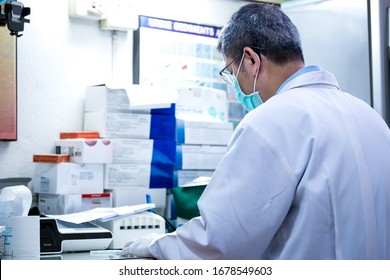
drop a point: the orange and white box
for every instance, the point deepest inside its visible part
(51, 158)
(86, 150)
(59, 204)
(69, 178)
(79, 134)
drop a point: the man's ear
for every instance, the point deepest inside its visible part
(253, 55)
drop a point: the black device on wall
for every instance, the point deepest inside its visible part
(12, 15)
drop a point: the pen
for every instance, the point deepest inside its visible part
(149, 200)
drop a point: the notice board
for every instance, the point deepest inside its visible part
(176, 53)
(8, 88)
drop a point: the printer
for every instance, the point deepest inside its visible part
(58, 236)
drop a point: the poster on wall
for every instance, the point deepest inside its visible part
(175, 53)
(180, 54)
(8, 101)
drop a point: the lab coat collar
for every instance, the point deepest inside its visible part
(309, 75)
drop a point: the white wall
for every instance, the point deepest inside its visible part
(58, 57)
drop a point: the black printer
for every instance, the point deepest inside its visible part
(59, 236)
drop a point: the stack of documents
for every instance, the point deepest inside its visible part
(103, 214)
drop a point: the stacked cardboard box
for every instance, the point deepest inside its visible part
(143, 141)
(202, 132)
(71, 180)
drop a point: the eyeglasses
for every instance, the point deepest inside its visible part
(226, 75)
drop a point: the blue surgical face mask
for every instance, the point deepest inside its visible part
(248, 101)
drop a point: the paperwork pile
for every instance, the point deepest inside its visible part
(103, 214)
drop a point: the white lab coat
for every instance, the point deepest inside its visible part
(306, 176)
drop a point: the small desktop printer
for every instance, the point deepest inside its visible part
(58, 236)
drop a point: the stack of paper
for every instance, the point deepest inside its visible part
(103, 214)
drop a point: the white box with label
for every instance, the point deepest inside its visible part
(146, 151)
(130, 125)
(105, 98)
(59, 204)
(202, 104)
(203, 133)
(205, 157)
(86, 150)
(130, 98)
(69, 178)
(138, 175)
(133, 195)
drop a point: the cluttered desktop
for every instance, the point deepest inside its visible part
(119, 178)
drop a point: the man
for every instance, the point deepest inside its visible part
(306, 174)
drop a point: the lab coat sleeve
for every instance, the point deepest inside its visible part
(241, 209)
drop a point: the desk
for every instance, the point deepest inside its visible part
(93, 255)
(86, 255)
(75, 256)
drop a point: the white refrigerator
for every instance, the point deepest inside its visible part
(350, 38)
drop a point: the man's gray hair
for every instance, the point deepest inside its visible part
(262, 26)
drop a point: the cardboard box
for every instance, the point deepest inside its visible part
(202, 104)
(103, 98)
(131, 98)
(69, 178)
(130, 125)
(86, 150)
(203, 133)
(182, 177)
(138, 175)
(204, 157)
(146, 151)
(59, 204)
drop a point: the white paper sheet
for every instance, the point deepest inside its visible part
(103, 214)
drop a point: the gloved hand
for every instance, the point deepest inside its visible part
(139, 247)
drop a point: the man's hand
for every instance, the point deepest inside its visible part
(139, 247)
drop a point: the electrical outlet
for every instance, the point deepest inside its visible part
(120, 16)
(88, 9)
